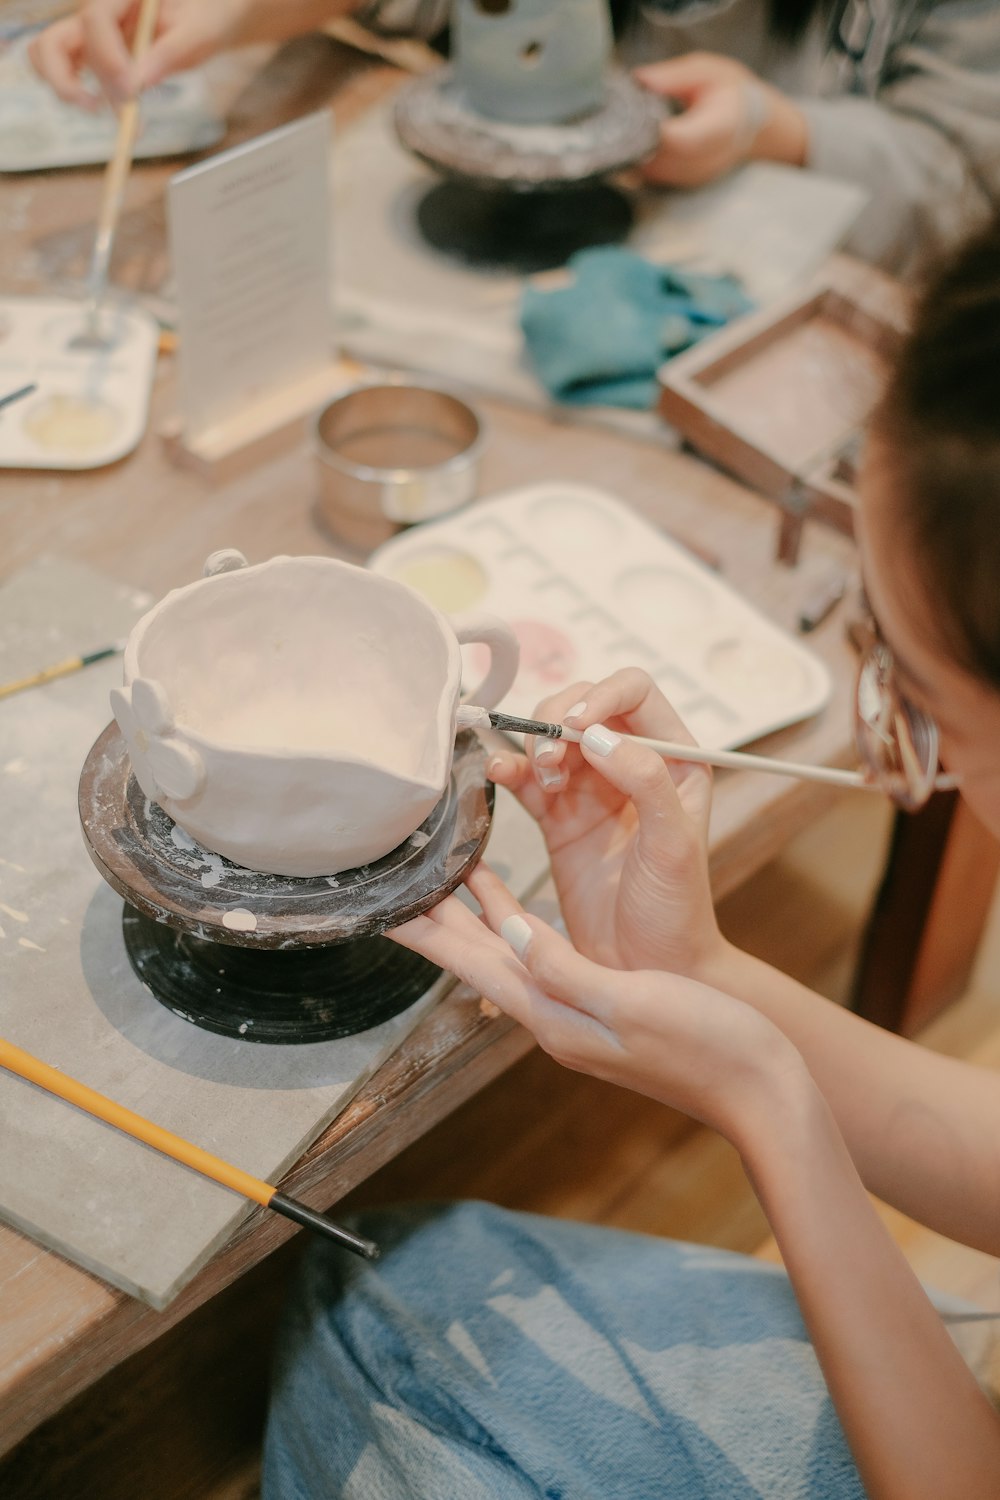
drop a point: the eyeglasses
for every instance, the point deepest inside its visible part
(897, 742)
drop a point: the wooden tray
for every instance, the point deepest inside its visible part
(780, 398)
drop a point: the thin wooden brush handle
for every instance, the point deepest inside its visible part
(117, 170)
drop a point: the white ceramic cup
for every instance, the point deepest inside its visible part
(298, 716)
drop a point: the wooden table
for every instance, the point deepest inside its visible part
(153, 525)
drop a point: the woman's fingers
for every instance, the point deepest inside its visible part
(516, 773)
(463, 951)
(668, 839)
(631, 695)
(631, 701)
(548, 757)
(106, 48)
(497, 902)
(684, 78)
(558, 970)
(532, 974)
(639, 773)
(195, 36)
(56, 56)
(484, 962)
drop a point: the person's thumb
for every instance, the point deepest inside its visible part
(680, 78)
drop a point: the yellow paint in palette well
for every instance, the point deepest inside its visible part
(64, 423)
(451, 580)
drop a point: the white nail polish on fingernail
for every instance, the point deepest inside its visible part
(545, 752)
(551, 777)
(516, 932)
(574, 712)
(602, 741)
(494, 765)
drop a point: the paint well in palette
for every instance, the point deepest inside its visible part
(62, 422)
(709, 721)
(570, 523)
(448, 579)
(756, 672)
(663, 600)
(549, 658)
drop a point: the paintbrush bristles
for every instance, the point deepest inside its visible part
(471, 717)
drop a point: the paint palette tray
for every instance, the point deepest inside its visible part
(38, 131)
(90, 405)
(589, 587)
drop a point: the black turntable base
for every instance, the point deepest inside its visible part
(522, 232)
(270, 958)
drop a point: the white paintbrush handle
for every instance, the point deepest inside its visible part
(736, 760)
(727, 760)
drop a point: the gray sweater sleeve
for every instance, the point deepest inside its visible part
(927, 146)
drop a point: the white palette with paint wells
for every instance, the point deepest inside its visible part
(90, 405)
(38, 131)
(589, 587)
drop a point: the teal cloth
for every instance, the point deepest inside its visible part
(600, 340)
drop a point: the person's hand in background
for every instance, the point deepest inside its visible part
(726, 115)
(98, 38)
(626, 830)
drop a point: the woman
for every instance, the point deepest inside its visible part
(900, 96)
(492, 1354)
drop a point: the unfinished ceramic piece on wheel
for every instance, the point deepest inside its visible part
(298, 716)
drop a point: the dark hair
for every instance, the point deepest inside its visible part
(787, 20)
(937, 433)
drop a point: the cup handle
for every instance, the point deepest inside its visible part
(226, 560)
(491, 631)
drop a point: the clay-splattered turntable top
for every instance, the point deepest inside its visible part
(163, 873)
(434, 121)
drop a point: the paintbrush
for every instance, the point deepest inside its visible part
(54, 1081)
(61, 669)
(11, 396)
(113, 192)
(470, 717)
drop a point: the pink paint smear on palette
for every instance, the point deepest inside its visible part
(588, 587)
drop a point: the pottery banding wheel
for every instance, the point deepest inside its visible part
(524, 197)
(271, 958)
(434, 120)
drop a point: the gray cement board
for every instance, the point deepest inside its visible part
(69, 995)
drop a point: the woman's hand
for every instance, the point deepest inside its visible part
(727, 116)
(626, 831)
(662, 1035)
(99, 36)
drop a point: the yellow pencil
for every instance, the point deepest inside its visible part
(56, 1082)
(61, 669)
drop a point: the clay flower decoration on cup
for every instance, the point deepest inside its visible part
(165, 767)
(299, 716)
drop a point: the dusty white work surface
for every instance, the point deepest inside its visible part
(68, 994)
(402, 303)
